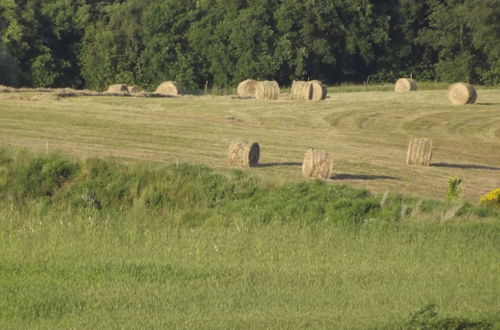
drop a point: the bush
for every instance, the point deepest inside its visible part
(491, 199)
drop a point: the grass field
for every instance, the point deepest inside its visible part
(93, 244)
(148, 242)
(367, 132)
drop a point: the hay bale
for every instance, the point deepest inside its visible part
(419, 152)
(135, 89)
(317, 91)
(462, 93)
(300, 91)
(243, 153)
(118, 89)
(246, 88)
(308, 91)
(168, 88)
(317, 164)
(405, 85)
(267, 90)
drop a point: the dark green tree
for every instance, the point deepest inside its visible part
(113, 46)
(44, 38)
(450, 35)
(485, 18)
(167, 52)
(95, 43)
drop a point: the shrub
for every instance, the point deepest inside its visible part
(491, 199)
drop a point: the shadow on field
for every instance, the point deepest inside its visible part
(280, 164)
(362, 177)
(467, 166)
(488, 103)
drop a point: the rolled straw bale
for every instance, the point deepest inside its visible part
(243, 153)
(308, 91)
(317, 91)
(267, 90)
(135, 89)
(246, 88)
(300, 90)
(168, 88)
(419, 152)
(118, 89)
(317, 164)
(462, 93)
(405, 85)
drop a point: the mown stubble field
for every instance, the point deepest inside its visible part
(367, 133)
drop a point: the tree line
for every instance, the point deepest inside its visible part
(94, 43)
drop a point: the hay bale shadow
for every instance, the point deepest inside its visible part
(242, 97)
(467, 166)
(345, 176)
(280, 164)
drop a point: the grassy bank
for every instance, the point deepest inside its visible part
(96, 244)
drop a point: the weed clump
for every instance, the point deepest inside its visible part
(28, 177)
(454, 190)
(428, 318)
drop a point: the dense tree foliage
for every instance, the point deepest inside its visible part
(93, 43)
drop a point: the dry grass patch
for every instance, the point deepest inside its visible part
(135, 89)
(118, 88)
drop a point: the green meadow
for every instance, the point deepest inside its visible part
(96, 243)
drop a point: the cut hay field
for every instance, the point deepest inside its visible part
(97, 244)
(367, 133)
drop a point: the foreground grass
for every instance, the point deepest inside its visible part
(238, 277)
(95, 244)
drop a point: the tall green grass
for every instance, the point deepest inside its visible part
(98, 244)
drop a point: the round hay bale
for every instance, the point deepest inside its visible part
(118, 89)
(317, 91)
(317, 164)
(135, 89)
(419, 152)
(300, 90)
(168, 88)
(405, 85)
(267, 90)
(308, 91)
(462, 93)
(243, 153)
(246, 88)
